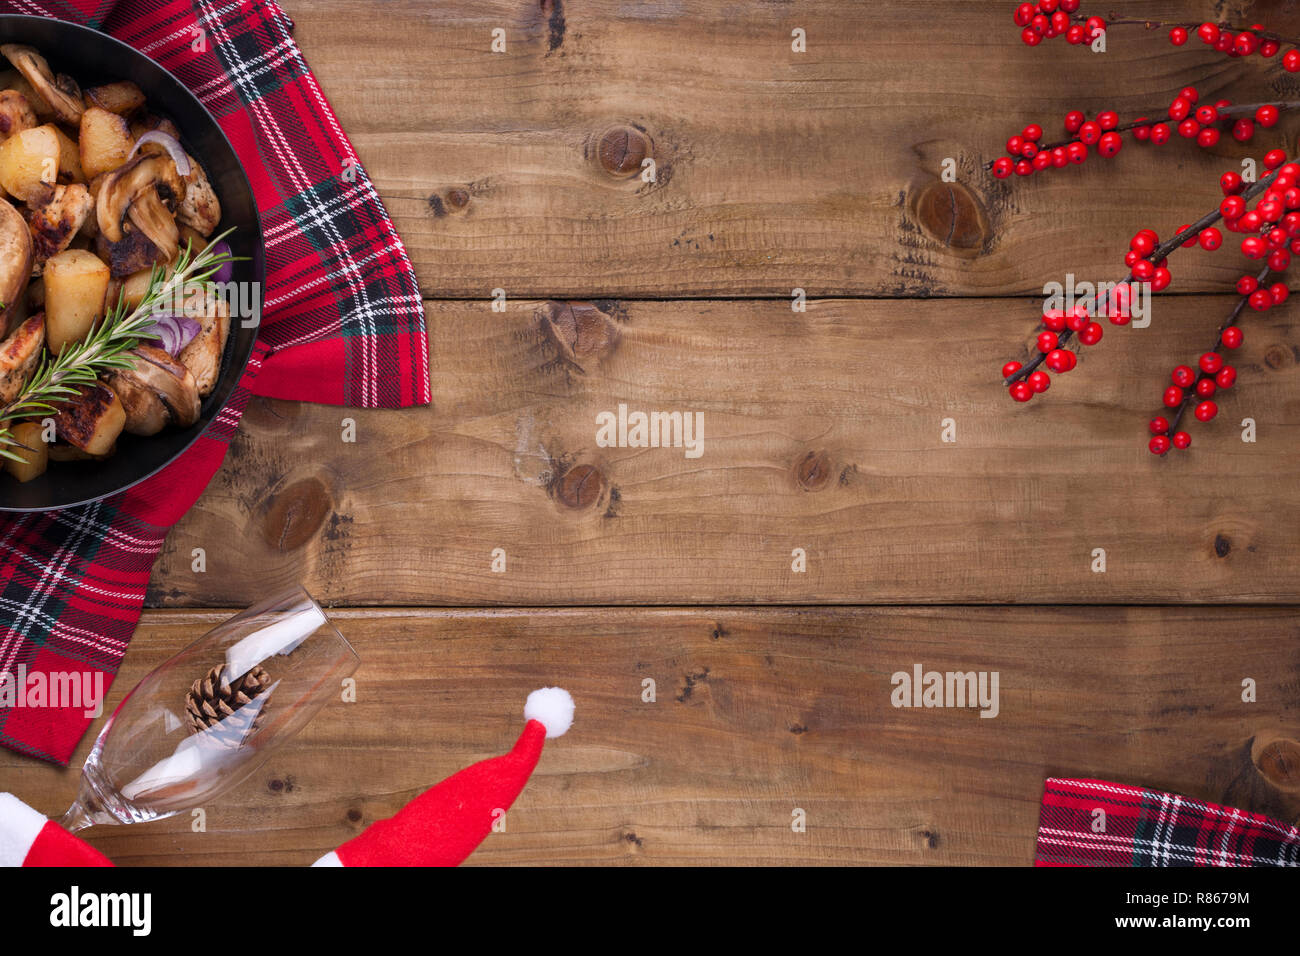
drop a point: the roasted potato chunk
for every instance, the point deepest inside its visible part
(76, 283)
(29, 164)
(70, 170)
(122, 98)
(105, 141)
(55, 223)
(91, 420)
(34, 455)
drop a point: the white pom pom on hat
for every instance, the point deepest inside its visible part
(552, 707)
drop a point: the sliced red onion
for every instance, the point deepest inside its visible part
(169, 143)
(227, 270)
(173, 332)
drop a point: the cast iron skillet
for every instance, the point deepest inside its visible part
(90, 58)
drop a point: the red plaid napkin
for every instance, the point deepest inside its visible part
(342, 323)
(1140, 827)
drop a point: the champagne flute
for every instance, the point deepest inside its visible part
(208, 717)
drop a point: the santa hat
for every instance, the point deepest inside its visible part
(441, 827)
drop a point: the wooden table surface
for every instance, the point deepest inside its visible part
(774, 171)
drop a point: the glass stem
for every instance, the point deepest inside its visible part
(76, 818)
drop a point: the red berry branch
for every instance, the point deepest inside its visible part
(1266, 212)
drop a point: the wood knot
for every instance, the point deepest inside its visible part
(929, 839)
(1222, 546)
(813, 471)
(622, 149)
(271, 413)
(580, 487)
(1278, 761)
(296, 514)
(581, 332)
(953, 216)
(354, 815)
(457, 198)
(1279, 357)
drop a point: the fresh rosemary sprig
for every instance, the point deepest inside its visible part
(106, 346)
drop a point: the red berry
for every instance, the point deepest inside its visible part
(1159, 445)
(1054, 320)
(1184, 376)
(1161, 279)
(1207, 114)
(1205, 388)
(1015, 144)
(1182, 439)
(1094, 25)
(1210, 362)
(1250, 222)
(1210, 239)
(1189, 128)
(1141, 133)
(1177, 36)
(1243, 130)
(1077, 318)
(1089, 133)
(1189, 93)
(1291, 61)
(1109, 144)
(1077, 152)
(1040, 23)
(1073, 120)
(1028, 148)
(1253, 247)
(1041, 161)
(1208, 32)
(1207, 137)
(1030, 37)
(1011, 368)
(1260, 300)
(1278, 292)
(1046, 341)
(1090, 334)
(1033, 132)
(1269, 48)
(1274, 158)
(1225, 43)
(1231, 337)
(1060, 22)
(1108, 119)
(1232, 207)
(1024, 167)
(1039, 381)
(1279, 260)
(1173, 396)
(1021, 391)
(1270, 210)
(1144, 243)
(1205, 411)
(1060, 158)
(1159, 425)
(1047, 6)
(1246, 44)
(1226, 377)
(1056, 360)
(1069, 6)
(1144, 270)
(1179, 109)
(1024, 13)
(1246, 285)
(1160, 134)
(1190, 240)
(1230, 183)
(1002, 167)
(1075, 35)
(1266, 116)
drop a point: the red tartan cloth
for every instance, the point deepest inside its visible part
(342, 324)
(1142, 827)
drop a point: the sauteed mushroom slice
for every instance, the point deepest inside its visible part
(62, 93)
(153, 219)
(123, 187)
(139, 192)
(155, 392)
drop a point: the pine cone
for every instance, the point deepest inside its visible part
(212, 700)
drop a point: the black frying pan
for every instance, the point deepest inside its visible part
(90, 58)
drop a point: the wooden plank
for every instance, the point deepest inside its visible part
(756, 713)
(823, 431)
(775, 169)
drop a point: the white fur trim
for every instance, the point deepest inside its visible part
(329, 859)
(19, 825)
(553, 707)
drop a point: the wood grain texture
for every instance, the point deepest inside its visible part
(775, 169)
(757, 712)
(822, 431)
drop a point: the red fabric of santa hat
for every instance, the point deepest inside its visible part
(28, 839)
(445, 824)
